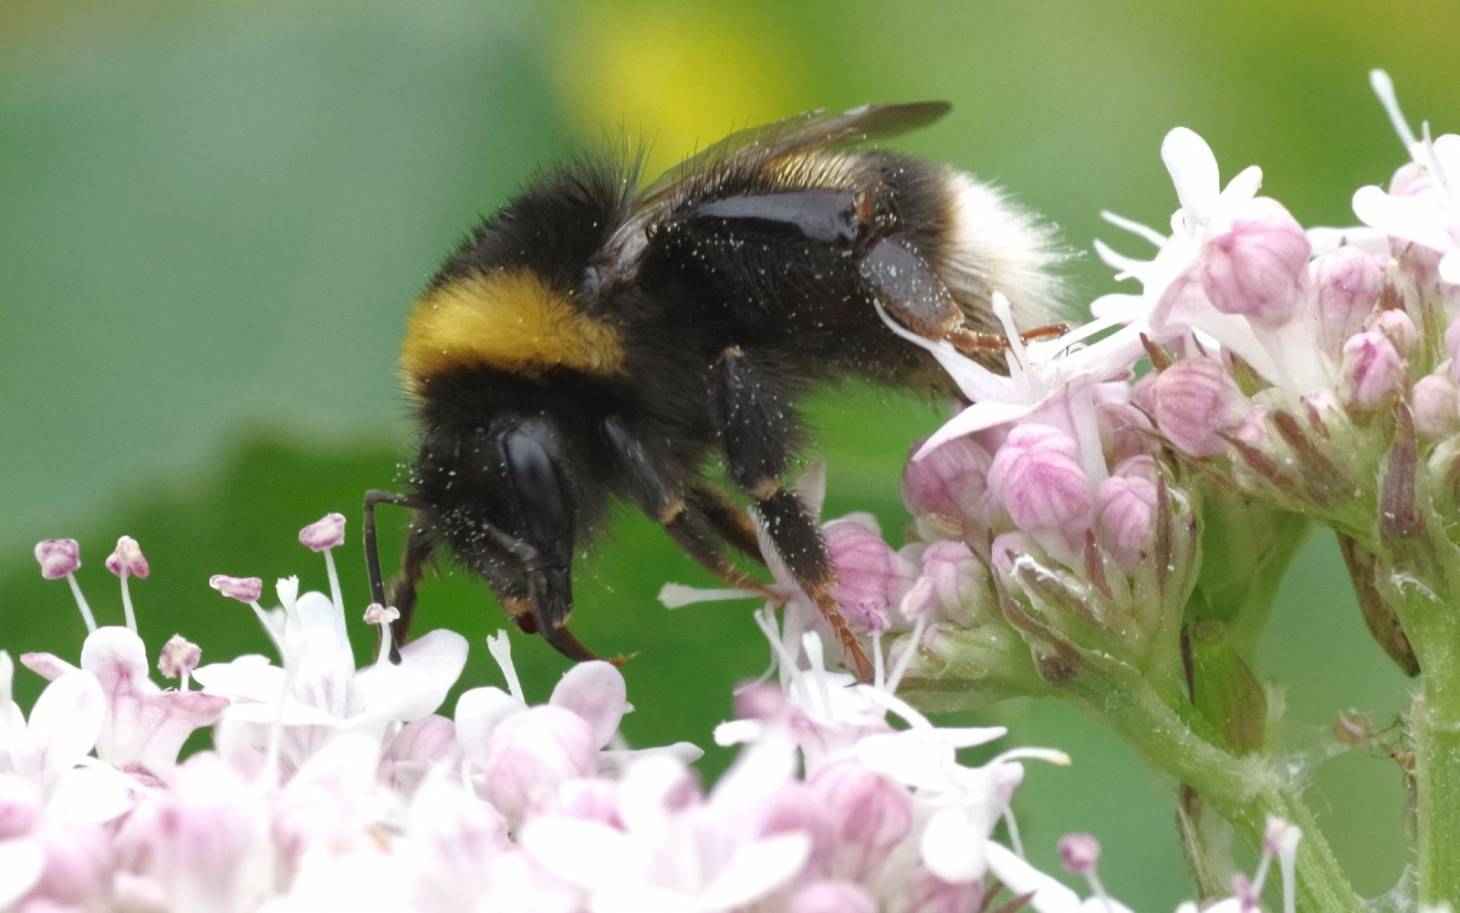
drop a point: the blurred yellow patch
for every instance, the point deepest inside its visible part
(677, 77)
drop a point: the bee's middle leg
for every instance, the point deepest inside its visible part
(759, 429)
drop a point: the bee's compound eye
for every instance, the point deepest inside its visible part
(535, 479)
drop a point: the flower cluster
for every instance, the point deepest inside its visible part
(336, 786)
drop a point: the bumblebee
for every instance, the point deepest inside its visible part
(592, 341)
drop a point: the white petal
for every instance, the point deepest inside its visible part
(1325, 240)
(93, 793)
(1410, 218)
(756, 870)
(21, 862)
(1022, 878)
(909, 758)
(682, 752)
(977, 417)
(1243, 187)
(248, 678)
(589, 854)
(1450, 266)
(65, 723)
(48, 666)
(1193, 170)
(953, 846)
(1125, 267)
(478, 712)
(414, 687)
(118, 659)
(596, 692)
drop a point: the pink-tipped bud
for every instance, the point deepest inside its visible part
(959, 579)
(1434, 404)
(58, 557)
(377, 614)
(832, 897)
(1078, 853)
(179, 657)
(1372, 371)
(870, 815)
(531, 753)
(1256, 267)
(871, 578)
(1346, 285)
(1197, 401)
(1125, 511)
(951, 481)
(1397, 328)
(244, 589)
(127, 560)
(1037, 475)
(323, 534)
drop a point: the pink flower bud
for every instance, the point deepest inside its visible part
(1372, 371)
(244, 589)
(58, 557)
(127, 560)
(958, 578)
(1435, 407)
(1197, 400)
(1256, 267)
(950, 481)
(1079, 852)
(1253, 430)
(832, 897)
(323, 534)
(530, 753)
(871, 578)
(870, 814)
(418, 747)
(1125, 510)
(1138, 467)
(1452, 346)
(1346, 286)
(1124, 430)
(178, 657)
(1397, 328)
(1037, 475)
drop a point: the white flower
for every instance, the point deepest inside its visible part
(1046, 893)
(1426, 211)
(675, 852)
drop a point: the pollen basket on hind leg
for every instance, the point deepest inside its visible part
(511, 320)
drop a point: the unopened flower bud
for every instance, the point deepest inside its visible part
(832, 897)
(1138, 467)
(1256, 267)
(127, 560)
(958, 578)
(178, 657)
(58, 557)
(870, 814)
(1037, 475)
(1452, 347)
(244, 589)
(1196, 401)
(1125, 511)
(325, 533)
(1124, 430)
(530, 753)
(1372, 371)
(871, 578)
(1078, 853)
(1346, 286)
(1397, 327)
(950, 481)
(1435, 407)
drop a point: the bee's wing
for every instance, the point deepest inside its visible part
(819, 129)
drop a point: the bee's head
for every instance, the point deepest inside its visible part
(509, 499)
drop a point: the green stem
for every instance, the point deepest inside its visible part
(1245, 791)
(1436, 731)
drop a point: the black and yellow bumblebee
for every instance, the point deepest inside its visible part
(593, 341)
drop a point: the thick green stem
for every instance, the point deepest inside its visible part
(1245, 791)
(1435, 725)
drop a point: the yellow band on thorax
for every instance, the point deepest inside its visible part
(511, 320)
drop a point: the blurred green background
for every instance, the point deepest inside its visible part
(215, 215)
